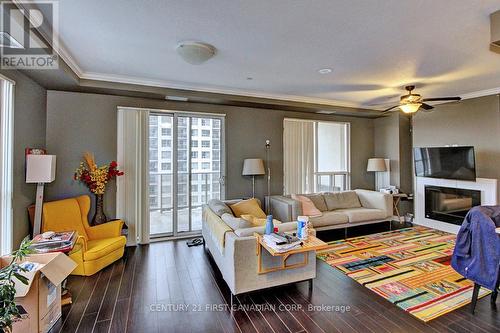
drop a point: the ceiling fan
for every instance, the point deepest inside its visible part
(411, 103)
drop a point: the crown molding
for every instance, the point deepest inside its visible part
(481, 93)
(185, 86)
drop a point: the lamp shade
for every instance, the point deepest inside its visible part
(253, 167)
(376, 164)
(40, 168)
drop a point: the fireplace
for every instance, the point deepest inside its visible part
(449, 204)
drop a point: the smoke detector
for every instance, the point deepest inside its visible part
(195, 53)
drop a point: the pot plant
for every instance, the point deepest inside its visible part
(96, 178)
(8, 310)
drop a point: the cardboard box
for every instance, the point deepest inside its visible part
(41, 298)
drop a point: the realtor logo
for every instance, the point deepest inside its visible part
(28, 36)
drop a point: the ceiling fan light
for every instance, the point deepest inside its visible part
(410, 107)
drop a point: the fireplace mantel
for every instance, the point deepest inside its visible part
(489, 196)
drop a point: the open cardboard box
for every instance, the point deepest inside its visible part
(41, 298)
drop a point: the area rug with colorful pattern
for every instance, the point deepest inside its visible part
(409, 267)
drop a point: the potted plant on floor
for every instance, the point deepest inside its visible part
(8, 309)
(96, 179)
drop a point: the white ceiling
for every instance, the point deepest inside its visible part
(374, 47)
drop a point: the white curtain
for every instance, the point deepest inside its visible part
(298, 159)
(132, 188)
(6, 164)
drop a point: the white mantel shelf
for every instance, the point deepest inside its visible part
(489, 196)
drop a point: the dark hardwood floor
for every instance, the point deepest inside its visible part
(168, 287)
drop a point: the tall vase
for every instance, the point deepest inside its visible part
(99, 216)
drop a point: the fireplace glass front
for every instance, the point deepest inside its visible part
(449, 204)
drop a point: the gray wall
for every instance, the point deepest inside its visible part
(474, 122)
(78, 122)
(29, 131)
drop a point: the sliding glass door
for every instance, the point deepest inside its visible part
(186, 170)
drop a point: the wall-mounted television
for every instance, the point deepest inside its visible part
(445, 162)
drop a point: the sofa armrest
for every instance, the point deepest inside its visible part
(377, 200)
(285, 209)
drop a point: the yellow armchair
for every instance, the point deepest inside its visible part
(97, 246)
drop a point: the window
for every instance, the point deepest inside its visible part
(166, 166)
(205, 133)
(166, 143)
(153, 166)
(216, 144)
(194, 132)
(194, 154)
(215, 155)
(215, 133)
(321, 162)
(205, 144)
(205, 154)
(166, 131)
(194, 143)
(194, 165)
(205, 166)
(166, 155)
(205, 122)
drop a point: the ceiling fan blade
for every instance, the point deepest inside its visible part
(442, 99)
(392, 107)
(426, 106)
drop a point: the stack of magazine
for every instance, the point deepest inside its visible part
(281, 242)
(60, 242)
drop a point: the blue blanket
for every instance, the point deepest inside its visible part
(477, 250)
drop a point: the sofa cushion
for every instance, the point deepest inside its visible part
(248, 207)
(329, 218)
(219, 207)
(341, 200)
(318, 201)
(235, 222)
(362, 214)
(308, 207)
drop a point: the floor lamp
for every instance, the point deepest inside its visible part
(268, 196)
(253, 167)
(40, 169)
(377, 165)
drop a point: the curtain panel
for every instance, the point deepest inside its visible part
(132, 188)
(298, 146)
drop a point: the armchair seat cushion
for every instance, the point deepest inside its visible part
(100, 247)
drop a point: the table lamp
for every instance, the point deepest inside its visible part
(377, 165)
(253, 167)
(40, 169)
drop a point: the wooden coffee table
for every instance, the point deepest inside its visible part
(311, 244)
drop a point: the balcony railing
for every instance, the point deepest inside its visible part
(332, 181)
(188, 212)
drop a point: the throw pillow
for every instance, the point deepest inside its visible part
(235, 223)
(219, 207)
(341, 200)
(257, 221)
(308, 207)
(318, 201)
(248, 207)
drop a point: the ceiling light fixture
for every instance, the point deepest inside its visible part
(195, 53)
(410, 107)
(325, 70)
(326, 112)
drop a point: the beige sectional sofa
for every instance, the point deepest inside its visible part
(235, 253)
(338, 210)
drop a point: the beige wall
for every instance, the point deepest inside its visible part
(474, 122)
(77, 122)
(29, 131)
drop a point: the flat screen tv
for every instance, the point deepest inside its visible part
(445, 162)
